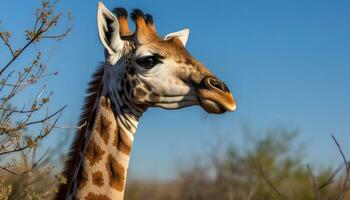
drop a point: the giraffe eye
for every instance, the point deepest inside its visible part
(149, 62)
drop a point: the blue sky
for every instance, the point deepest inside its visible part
(287, 63)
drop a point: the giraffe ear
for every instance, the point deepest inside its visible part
(181, 35)
(108, 30)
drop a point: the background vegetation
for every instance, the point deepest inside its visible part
(272, 169)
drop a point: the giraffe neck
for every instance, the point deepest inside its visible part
(102, 169)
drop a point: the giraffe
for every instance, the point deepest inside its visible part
(141, 70)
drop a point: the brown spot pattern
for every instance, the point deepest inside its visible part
(121, 146)
(102, 127)
(146, 86)
(154, 97)
(116, 174)
(94, 153)
(139, 92)
(97, 178)
(82, 177)
(92, 196)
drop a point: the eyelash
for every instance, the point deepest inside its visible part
(148, 62)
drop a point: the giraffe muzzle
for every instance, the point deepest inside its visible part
(214, 96)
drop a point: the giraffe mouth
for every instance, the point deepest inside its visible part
(216, 103)
(214, 97)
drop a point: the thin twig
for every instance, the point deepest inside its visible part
(331, 178)
(317, 194)
(341, 152)
(46, 118)
(64, 34)
(7, 44)
(9, 171)
(342, 187)
(272, 186)
(59, 112)
(37, 35)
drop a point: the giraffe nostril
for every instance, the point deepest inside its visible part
(214, 83)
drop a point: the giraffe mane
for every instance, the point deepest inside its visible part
(73, 159)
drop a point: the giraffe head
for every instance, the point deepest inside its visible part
(157, 71)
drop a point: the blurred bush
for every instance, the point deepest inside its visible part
(270, 169)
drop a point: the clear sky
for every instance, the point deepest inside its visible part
(287, 63)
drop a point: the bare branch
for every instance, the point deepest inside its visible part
(341, 153)
(64, 34)
(9, 171)
(24, 126)
(330, 179)
(40, 137)
(48, 117)
(4, 36)
(37, 35)
(343, 186)
(317, 193)
(264, 176)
